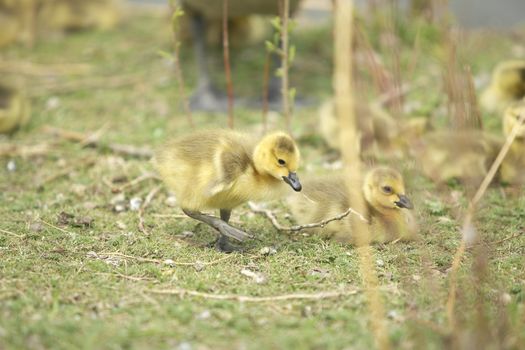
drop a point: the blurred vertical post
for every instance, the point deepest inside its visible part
(284, 64)
(227, 69)
(177, 12)
(350, 151)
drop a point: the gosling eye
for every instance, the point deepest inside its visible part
(281, 161)
(387, 189)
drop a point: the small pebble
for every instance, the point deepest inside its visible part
(171, 201)
(36, 227)
(204, 315)
(267, 251)
(184, 346)
(135, 203)
(120, 208)
(118, 199)
(380, 262)
(52, 103)
(169, 262)
(198, 266)
(121, 225)
(11, 166)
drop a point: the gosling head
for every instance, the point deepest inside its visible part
(384, 189)
(512, 116)
(277, 155)
(509, 77)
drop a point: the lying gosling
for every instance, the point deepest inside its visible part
(222, 169)
(381, 134)
(14, 109)
(512, 168)
(464, 155)
(384, 192)
(507, 86)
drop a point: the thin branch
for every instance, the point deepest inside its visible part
(84, 84)
(64, 172)
(24, 151)
(177, 12)
(128, 277)
(284, 65)
(11, 233)
(265, 103)
(344, 103)
(171, 262)
(88, 140)
(140, 213)
(40, 70)
(271, 216)
(508, 238)
(136, 181)
(251, 299)
(56, 227)
(227, 68)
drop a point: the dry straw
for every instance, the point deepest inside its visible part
(350, 151)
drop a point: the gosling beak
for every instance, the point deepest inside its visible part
(293, 181)
(404, 202)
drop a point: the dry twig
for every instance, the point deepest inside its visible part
(271, 216)
(24, 151)
(11, 233)
(284, 65)
(177, 12)
(251, 299)
(40, 70)
(64, 172)
(344, 102)
(88, 140)
(135, 181)
(227, 68)
(143, 207)
(166, 261)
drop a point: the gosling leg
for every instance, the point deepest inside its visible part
(223, 242)
(223, 227)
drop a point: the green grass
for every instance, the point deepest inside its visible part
(59, 290)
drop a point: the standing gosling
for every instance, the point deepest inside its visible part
(222, 169)
(507, 86)
(511, 171)
(384, 191)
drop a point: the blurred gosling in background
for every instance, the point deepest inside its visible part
(512, 171)
(507, 86)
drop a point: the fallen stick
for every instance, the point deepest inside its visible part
(89, 141)
(295, 228)
(143, 207)
(166, 261)
(251, 299)
(41, 70)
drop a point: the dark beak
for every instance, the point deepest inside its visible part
(404, 202)
(293, 181)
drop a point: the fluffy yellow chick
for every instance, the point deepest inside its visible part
(507, 85)
(384, 191)
(14, 109)
(512, 168)
(222, 169)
